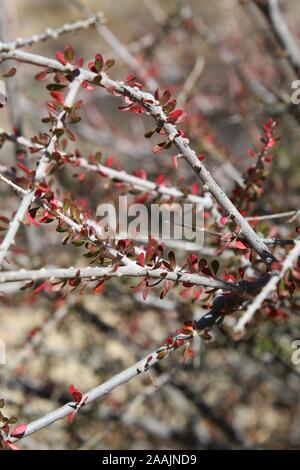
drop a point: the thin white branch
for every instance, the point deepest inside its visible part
(10, 235)
(268, 289)
(283, 33)
(182, 338)
(50, 33)
(120, 49)
(131, 270)
(143, 184)
(136, 182)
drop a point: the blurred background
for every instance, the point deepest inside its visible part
(224, 64)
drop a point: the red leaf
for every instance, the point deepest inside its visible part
(81, 176)
(69, 54)
(141, 173)
(165, 97)
(175, 161)
(108, 64)
(91, 66)
(5, 220)
(145, 292)
(98, 64)
(10, 73)
(109, 161)
(10, 445)
(169, 106)
(271, 143)
(58, 96)
(241, 273)
(215, 266)
(61, 57)
(224, 220)
(80, 63)
(161, 179)
(71, 135)
(19, 430)
(136, 109)
(123, 109)
(195, 188)
(41, 287)
(99, 288)
(157, 149)
(130, 78)
(193, 258)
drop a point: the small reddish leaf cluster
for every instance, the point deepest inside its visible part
(6, 433)
(256, 174)
(69, 57)
(79, 400)
(183, 335)
(168, 106)
(131, 105)
(10, 73)
(173, 116)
